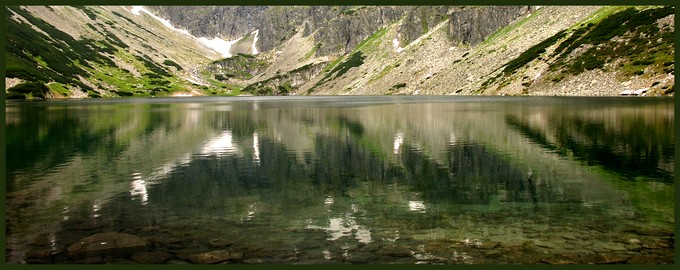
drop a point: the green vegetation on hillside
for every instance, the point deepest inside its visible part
(629, 38)
(88, 11)
(27, 90)
(531, 54)
(354, 60)
(63, 57)
(37, 52)
(171, 63)
(268, 87)
(370, 43)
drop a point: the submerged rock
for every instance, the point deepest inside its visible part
(210, 257)
(154, 257)
(218, 243)
(557, 260)
(43, 253)
(92, 260)
(397, 251)
(607, 258)
(651, 231)
(634, 241)
(489, 245)
(108, 244)
(492, 254)
(236, 256)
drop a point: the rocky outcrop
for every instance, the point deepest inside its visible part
(240, 66)
(337, 29)
(341, 34)
(229, 22)
(420, 20)
(284, 84)
(473, 25)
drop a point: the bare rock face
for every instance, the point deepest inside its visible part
(473, 25)
(118, 245)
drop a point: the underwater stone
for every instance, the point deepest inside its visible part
(154, 257)
(108, 244)
(210, 257)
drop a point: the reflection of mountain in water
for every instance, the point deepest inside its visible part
(631, 146)
(345, 171)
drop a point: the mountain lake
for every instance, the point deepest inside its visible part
(341, 179)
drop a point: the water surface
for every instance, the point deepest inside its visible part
(437, 180)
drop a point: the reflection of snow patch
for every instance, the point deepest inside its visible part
(340, 227)
(221, 145)
(344, 226)
(138, 187)
(256, 148)
(398, 140)
(251, 212)
(416, 206)
(96, 206)
(452, 139)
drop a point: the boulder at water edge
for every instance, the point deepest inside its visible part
(117, 245)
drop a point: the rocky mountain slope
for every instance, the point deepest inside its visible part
(338, 50)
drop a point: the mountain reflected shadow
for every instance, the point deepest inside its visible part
(632, 146)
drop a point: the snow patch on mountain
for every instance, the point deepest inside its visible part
(217, 44)
(137, 10)
(396, 44)
(257, 34)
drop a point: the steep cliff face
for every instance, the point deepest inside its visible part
(229, 22)
(473, 25)
(337, 29)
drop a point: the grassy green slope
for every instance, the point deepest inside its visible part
(98, 62)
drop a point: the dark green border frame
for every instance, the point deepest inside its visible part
(3, 154)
